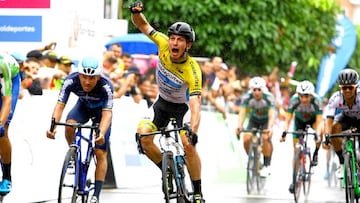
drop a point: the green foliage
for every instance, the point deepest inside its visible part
(254, 34)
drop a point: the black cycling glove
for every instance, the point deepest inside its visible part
(136, 4)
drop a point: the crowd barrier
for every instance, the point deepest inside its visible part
(37, 160)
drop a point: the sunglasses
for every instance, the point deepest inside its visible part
(304, 95)
(256, 89)
(349, 87)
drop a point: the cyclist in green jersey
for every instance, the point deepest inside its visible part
(305, 108)
(259, 105)
(178, 76)
(10, 89)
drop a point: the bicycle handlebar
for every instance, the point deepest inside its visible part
(254, 130)
(346, 133)
(301, 132)
(75, 125)
(192, 136)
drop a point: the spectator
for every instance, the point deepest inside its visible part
(127, 61)
(129, 85)
(144, 85)
(31, 81)
(64, 68)
(48, 70)
(111, 70)
(219, 90)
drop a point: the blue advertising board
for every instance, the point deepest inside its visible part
(20, 28)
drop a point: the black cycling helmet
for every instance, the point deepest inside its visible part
(183, 29)
(348, 77)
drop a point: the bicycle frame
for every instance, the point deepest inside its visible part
(81, 186)
(302, 163)
(83, 163)
(254, 161)
(170, 145)
(349, 145)
(350, 181)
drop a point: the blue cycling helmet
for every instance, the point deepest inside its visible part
(90, 66)
(183, 29)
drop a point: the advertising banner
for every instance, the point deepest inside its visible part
(20, 28)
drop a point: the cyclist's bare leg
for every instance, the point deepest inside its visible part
(267, 145)
(101, 164)
(70, 132)
(193, 159)
(5, 147)
(337, 142)
(100, 171)
(295, 141)
(247, 137)
(151, 150)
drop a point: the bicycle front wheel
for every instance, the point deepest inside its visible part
(167, 175)
(68, 178)
(183, 181)
(251, 169)
(307, 172)
(349, 180)
(297, 170)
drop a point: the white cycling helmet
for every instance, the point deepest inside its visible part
(305, 87)
(257, 82)
(90, 66)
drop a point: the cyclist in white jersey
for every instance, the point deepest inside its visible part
(347, 102)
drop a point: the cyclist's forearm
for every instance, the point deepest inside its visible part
(105, 122)
(139, 20)
(241, 117)
(195, 108)
(271, 119)
(287, 121)
(328, 125)
(5, 110)
(58, 110)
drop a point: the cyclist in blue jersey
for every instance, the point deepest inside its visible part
(95, 100)
(9, 89)
(178, 76)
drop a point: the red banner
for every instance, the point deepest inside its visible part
(25, 3)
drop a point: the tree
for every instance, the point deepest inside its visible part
(254, 34)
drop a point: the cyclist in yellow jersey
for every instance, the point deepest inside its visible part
(179, 80)
(9, 89)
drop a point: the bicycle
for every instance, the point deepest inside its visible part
(302, 169)
(173, 161)
(351, 167)
(255, 162)
(74, 183)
